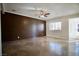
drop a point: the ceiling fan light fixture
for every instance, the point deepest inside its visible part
(42, 16)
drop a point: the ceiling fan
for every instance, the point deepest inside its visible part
(43, 12)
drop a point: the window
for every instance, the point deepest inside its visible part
(55, 26)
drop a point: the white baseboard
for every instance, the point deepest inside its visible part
(57, 37)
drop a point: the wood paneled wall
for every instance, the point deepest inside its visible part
(20, 27)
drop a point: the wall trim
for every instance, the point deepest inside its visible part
(57, 37)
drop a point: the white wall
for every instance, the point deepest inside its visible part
(73, 27)
(63, 33)
(69, 27)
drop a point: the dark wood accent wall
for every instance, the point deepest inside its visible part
(20, 27)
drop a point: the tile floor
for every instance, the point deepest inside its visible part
(41, 46)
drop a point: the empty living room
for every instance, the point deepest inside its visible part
(39, 29)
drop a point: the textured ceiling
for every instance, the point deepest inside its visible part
(55, 9)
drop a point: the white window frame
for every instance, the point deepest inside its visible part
(55, 26)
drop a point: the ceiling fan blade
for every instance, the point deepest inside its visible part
(47, 14)
(30, 8)
(34, 9)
